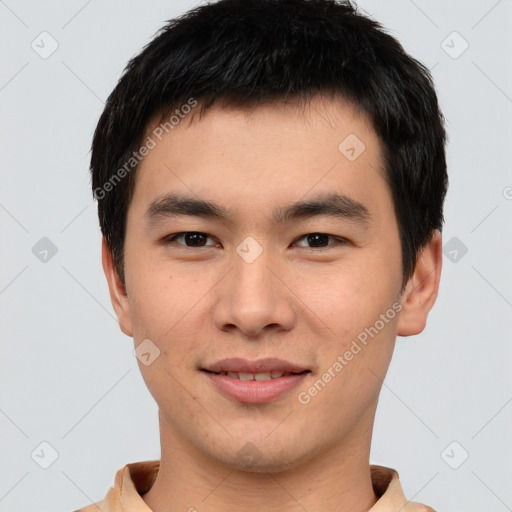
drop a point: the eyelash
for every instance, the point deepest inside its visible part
(338, 240)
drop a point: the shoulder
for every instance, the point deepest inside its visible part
(387, 487)
(130, 482)
(412, 506)
(111, 503)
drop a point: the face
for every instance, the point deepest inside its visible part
(262, 244)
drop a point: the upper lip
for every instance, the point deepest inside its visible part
(269, 364)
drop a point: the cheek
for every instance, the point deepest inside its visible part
(350, 296)
(170, 313)
(161, 300)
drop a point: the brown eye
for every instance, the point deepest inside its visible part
(319, 240)
(191, 239)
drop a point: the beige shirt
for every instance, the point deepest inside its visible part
(136, 478)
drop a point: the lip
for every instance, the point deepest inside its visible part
(255, 391)
(268, 364)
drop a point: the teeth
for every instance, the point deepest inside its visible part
(254, 376)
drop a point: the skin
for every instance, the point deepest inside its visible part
(295, 301)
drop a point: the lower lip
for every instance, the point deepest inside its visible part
(255, 391)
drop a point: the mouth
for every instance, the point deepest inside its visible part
(254, 382)
(260, 376)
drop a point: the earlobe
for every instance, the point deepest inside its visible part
(118, 295)
(421, 291)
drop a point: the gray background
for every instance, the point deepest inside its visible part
(68, 375)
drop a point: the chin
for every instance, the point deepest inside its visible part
(265, 464)
(262, 457)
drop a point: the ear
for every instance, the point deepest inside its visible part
(118, 295)
(421, 290)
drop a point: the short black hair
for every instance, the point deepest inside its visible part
(249, 52)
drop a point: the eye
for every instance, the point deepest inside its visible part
(191, 239)
(319, 240)
(197, 239)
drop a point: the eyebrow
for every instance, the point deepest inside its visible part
(333, 205)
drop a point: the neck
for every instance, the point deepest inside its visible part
(336, 479)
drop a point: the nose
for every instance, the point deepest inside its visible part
(254, 299)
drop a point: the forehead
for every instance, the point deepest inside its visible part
(264, 154)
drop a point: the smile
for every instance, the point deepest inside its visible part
(261, 376)
(255, 388)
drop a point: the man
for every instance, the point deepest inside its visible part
(270, 177)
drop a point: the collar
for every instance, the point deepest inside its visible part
(136, 478)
